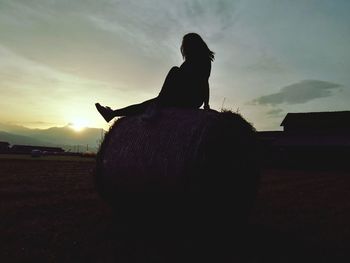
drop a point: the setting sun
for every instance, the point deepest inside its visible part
(78, 125)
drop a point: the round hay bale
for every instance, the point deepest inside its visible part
(181, 169)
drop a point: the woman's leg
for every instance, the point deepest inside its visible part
(108, 114)
(134, 109)
(167, 95)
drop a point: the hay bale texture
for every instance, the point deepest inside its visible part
(179, 169)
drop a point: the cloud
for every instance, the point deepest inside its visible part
(27, 77)
(160, 23)
(266, 63)
(32, 91)
(300, 92)
(275, 112)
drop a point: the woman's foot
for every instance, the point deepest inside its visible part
(106, 112)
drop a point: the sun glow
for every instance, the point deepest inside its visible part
(78, 125)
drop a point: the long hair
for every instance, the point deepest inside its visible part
(194, 47)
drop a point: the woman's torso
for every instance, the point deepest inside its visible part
(193, 82)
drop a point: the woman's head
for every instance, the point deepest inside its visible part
(194, 47)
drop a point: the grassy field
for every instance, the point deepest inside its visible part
(50, 212)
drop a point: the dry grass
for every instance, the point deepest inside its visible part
(310, 207)
(49, 212)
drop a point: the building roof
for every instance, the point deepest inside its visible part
(330, 118)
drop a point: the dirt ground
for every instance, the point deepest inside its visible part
(50, 212)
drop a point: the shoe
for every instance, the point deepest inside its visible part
(106, 112)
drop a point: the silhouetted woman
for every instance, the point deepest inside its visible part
(186, 86)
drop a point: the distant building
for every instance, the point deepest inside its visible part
(323, 129)
(309, 139)
(336, 122)
(27, 149)
(4, 147)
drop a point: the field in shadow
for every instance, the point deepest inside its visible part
(50, 212)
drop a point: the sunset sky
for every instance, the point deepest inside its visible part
(59, 57)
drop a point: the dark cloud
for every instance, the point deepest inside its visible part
(300, 92)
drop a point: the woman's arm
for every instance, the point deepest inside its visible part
(206, 87)
(206, 96)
